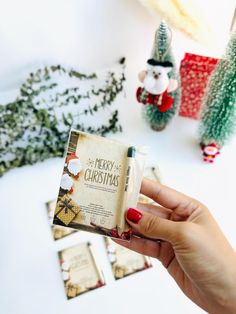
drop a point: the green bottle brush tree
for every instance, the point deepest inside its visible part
(162, 55)
(218, 116)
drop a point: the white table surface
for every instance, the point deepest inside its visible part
(29, 270)
(30, 277)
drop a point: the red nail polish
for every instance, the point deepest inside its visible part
(134, 215)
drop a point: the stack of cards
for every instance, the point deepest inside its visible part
(79, 266)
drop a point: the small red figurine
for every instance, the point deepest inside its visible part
(156, 85)
(210, 151)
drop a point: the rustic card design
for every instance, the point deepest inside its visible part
(125, 262)
(66, 209)
(80, 271)
(58, 232)
(101, 179)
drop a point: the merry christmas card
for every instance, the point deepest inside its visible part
(80, 272)
(101, 179)
(125, 262)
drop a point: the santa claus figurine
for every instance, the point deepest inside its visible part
(156, 85)
(210, 151)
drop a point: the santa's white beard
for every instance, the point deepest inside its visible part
(66, 182)
(74, 166)
(155, 86)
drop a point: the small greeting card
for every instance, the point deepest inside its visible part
(79, 269)
(152, 173)
(101, 179)
(58, 232)
(125, 262)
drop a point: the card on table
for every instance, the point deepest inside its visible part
(80, 271)
(152, 173)
(101, 179)
(123, 261)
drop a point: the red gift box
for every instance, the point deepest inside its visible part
(194, 72)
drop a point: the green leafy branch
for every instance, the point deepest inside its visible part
(36, 125)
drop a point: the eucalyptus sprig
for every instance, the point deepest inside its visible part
(36, 125)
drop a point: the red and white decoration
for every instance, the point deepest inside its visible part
(210, 151)
(156, 85)
(194, 71)
(74, 165)
(66, 183)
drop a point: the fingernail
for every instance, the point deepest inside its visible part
(134, 215)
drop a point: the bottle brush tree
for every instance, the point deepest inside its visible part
(218, 117)
(161, 52)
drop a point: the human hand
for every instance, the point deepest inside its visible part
(192, 248)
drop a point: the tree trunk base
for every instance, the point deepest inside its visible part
(158, 128)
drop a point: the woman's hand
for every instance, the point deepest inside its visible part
(192, 248)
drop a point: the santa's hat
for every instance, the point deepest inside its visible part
(213, 145)
(165, 64)
(209, 145)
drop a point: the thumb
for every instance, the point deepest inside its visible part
(152, 226)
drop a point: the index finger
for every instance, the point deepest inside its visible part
(165, 196)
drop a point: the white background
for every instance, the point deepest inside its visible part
(90, 35)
